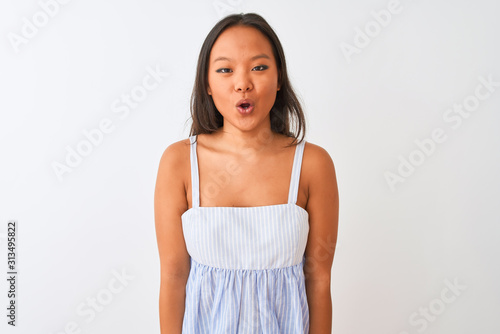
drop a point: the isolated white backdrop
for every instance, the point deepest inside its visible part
(372, 88)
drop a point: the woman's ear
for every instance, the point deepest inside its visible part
(209, 91)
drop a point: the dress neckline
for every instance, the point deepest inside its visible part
(246, 207)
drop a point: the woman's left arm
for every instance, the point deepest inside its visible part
(323, 208)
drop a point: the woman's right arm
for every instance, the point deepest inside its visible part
(169, 204)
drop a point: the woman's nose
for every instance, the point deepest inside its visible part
(243, 83)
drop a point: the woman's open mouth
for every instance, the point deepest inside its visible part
(245, 106)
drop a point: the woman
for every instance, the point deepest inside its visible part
(236, 255)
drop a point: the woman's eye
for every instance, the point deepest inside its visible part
(260, 68)
(223, 70)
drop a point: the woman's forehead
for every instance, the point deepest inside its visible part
(241, 42)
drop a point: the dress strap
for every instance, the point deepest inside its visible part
(294, 180)
(195, 178)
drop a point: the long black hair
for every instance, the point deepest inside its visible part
(286, 111)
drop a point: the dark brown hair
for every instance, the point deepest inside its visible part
(286, 110)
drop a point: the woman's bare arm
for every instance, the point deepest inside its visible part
(169, 204)
(323, 209)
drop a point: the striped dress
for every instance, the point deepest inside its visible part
(247, 264)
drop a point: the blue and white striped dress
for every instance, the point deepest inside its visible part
(247, 264)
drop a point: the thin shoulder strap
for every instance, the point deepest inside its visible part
(294, 180)
(195, 179)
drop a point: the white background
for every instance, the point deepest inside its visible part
(397, 246)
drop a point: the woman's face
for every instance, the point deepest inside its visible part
(243, 78)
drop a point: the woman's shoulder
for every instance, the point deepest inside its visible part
(175, 158)
(177, 150)
(317, 162)
(315, 152)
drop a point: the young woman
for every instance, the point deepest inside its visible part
(246, 214)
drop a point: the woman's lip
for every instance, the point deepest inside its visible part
(245, 111)
(247, 101)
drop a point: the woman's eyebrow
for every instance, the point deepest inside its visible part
(262, 55)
